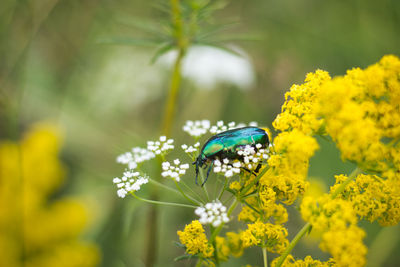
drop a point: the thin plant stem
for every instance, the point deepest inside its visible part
(223, 189)
(264, 251)
(199, 262)
(189, 198)
(163, 186)
(345, 183)
(307, 227)
(293, 243)
(214, 243)
(194, 192)
(181, 43)
(163, 202)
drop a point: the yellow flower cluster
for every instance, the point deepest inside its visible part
(337, 221)
(299, 110)
(307, 262)
(288, 165)
(270, 236)
(195, 240)
(373, 198)
(30, 172)
(361, 111)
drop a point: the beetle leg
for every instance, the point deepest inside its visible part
(258, 168)
(208, 172)
(197, 174)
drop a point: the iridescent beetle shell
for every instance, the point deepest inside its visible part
(227, 144)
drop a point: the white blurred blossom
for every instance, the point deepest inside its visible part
(196, 128)
(208, 67)
(212, 213)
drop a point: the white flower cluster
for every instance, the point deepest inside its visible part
(130, 182)
(196, 128)
(174, 171)
(137, 155)
(227, 168)
(191, 149)
(251, 156)
(212, 213)
(220, 127)
(161, 146)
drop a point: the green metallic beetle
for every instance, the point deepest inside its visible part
(227, 144)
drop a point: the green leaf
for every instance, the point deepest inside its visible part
(130, 41)
(146, 26)
(161, 51)
(226, 49)
(184, 257)
(179, 245)
(251, 207)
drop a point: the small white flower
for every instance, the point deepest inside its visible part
(132, 184)
(196, 128)
(162, 146)
(174, 171)
(191, 150)
(220, 127)
(138, 155)
(212, 213)
(227, 168)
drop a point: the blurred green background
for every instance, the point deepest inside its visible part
(108, 98)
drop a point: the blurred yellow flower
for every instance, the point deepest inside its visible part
(35, 231)
(337, 221)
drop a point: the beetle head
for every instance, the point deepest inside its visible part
(199, 162)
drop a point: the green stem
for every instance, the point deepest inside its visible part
(163, 186)
(193, 192)
(341, 187)
(294, 242)
(223, 189)
(190, 199)
(182, 44)
(264, 251)
(307, 227)
(214, 243)
(199, 262)
(163, 203)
